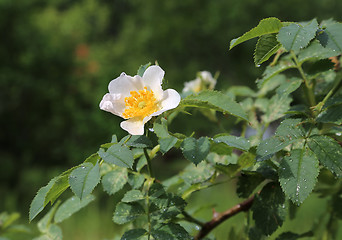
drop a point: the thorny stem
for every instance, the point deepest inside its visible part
(218, 218)
(148, 218)
(149, 164)
(308, 90)
(331, 92)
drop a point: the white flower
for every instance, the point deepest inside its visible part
(138, 99)
(203, 81)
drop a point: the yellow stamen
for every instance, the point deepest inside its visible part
(140, 104)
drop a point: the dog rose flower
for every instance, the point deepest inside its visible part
(138, 99)
(203, 81)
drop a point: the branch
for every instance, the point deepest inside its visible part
(218, 218)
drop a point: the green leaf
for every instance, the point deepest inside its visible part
(94, 158)
(118, 155)
(127, 212)
(331, 115)
(196, 174)
(293, 236)
(214, 100)
(170, 231)
(139, 142)
(295, 36)
(133, 196)
(136, 180)
(60, 185)
(166, 207)
(160, 128)
(38, 202)
(336, 100)
(53, 233)
(220, 148)
(298, 174)
(331, 37)
(267, 46)
(328, 151)
(142, 69)
(45, 223)
(269, 210)
(6, 220)
(315, 51)
(71, 206)
(247, 182)
(166, 141)
(233, 141)
(243, 91)
(114, 180)
(265, 26)
(84, 179)
(271, 72)
(195, 150)
(289, 131)
(276, 108)
(134, 234)
(289, 86)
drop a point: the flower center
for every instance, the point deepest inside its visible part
(140, 104)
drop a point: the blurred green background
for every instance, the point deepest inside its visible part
(58, 56)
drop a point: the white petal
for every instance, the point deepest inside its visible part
(134, 126)
(193, 86)
(153, 78)
(170, 100)
(113, 103)
(124, 84)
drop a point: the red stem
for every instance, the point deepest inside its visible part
(218, 218)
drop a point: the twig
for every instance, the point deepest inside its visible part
(218, 218)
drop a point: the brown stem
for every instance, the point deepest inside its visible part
(219, 218)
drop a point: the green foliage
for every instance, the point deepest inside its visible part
(71, 206)
(195, 150)
(139, 142)
(127, 212)
(170, 231)
(133, 196)
(299, 95)
(328, 151)
(265, 26)
(289, 131)
(298, 174)
(248, 181)
(166, 140)
(118, 154)
(216, 101)
(114, 180)
(233, 141)
(134, 234)
(269, 210)
(84, 179)
(295, 36)
(38, 203)
(267, 46)
(331, 36)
